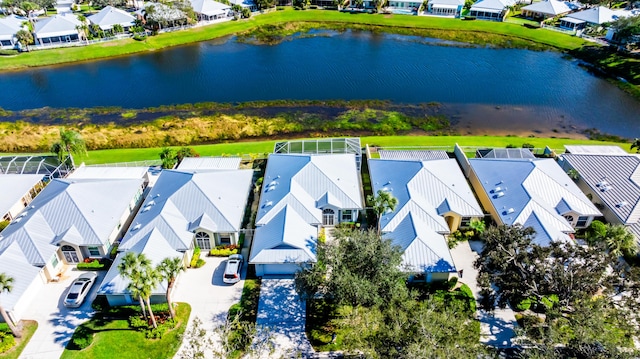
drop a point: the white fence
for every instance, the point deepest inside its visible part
(77, 43)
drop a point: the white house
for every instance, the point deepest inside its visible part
(450, 8)
(249, 4)
(208, 10)
(300, 194)
(57, 29)
(110, 16)
(549, 8)
(434, 200)
(494, 10)
(534, 193)
(597, 15)
(9, 27)
(183, 209)
(17, 192)
(612, 180)
(71, 219)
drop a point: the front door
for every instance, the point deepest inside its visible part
(328, 217)
(70, 254)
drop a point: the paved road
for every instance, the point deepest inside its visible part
(56, 323)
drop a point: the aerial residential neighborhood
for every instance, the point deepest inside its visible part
(282, 214)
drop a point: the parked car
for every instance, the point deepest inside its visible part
(233, 268)
(79, 289)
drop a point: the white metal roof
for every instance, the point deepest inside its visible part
(595, 150)
(57, 25)
(551, 7)
(109, 16)
(446, 3)
(598, 15)
(519, 187)
(109, 172)
(413, 154)
(210, 7)
(84, 210)
(426, 191)
(492, 5)
(209, 163)
(14, 187)
(13, 262)
(10, 25)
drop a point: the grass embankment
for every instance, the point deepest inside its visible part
(479, 30)
(260, 147)
(115, 338)
(28, 328)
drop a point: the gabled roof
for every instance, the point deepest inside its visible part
(519, 187)
(10, 25)
(92, 207)
(598, 15)
(492, 5)
(14, 262)
(209, 7)
(57, 25)
(615, 179)
(414, 154)
(287, 238)
(551, 7)
(595, 150)
(180, 202)
(309, 181)
(210, 163)
(506, 153)
(426, 191)
(109, 16)
(14, 187)
(109, 172)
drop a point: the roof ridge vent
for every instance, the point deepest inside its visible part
(605, 188)
(267, 204)
(508, 211)
(136, 227)
(496, 190)
(498, 195)
(621, 204)
(602, 183)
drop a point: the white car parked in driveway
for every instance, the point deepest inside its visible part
(233, 269)
(79, 289)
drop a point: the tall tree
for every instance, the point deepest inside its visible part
(133, 267)
(70, 143)
(382, 203)
(6, 285)
(170, 268)
(25, 38)
(168, 157)
(150, 281)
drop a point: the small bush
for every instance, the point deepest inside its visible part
(195, 258)
(139, 37)
(524, 304)
(452, 283)
(279, 8)
(7, 341)
(91, 265)
(8, 52)
(528, 145)
(135, 321)
(469, 18)
(82, 337)
(199, 263)
(223, 252)
(3, 224)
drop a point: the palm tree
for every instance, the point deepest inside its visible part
(133, 267)
(70, 143)
(381, 203)
(170, 268)
(6, 285)
(620, 241)
(149, 280)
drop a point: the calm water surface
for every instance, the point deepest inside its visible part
(495, 88)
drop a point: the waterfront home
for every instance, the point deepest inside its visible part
(534, 193)
(434, 200)
(17, 192)
(249, 4)
(63, 6)
(450, 8)
(494, 10)
(611, 178)
(70, 220)
(549, 8)
(184, 209)
(9, 27)
(594, 16)
(57, 29)
(403, 6)
(301, 194)
(208, 10)
(110, 16)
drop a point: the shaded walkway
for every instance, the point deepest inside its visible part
(496, 327)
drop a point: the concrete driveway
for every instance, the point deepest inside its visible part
(56, 323)
(283, 316)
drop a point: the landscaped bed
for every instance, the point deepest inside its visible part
(113, 336)
(28, 328)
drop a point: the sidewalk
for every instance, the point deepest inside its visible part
(496, 327)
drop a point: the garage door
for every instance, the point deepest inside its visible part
(279, 269)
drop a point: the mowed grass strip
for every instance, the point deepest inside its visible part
(130, 46)
(115, 339)
(262, 147)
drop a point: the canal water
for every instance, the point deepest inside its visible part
(502, 90)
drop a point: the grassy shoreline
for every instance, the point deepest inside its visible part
(438, 26)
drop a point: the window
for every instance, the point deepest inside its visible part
(582, 221)
(465, 222)
(225, 238)
(346, 215)
(54, 261)
(94, 251)
(569, 218)
(202, 240)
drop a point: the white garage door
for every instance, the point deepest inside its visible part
(279, 269)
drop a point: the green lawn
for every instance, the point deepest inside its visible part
(29, 327)
(261, 147)
(115, 339)
(129, 46)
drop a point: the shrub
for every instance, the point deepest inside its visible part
(195, 258)
(524, 304)
(223, 252)
(139, 37)
(8, 52)
(199, 263)
(82, 337)
(527, 145)
(91, 265)
(7, 341)
(596, 232)
(279, 8)
(138, 323)
(451, 283)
